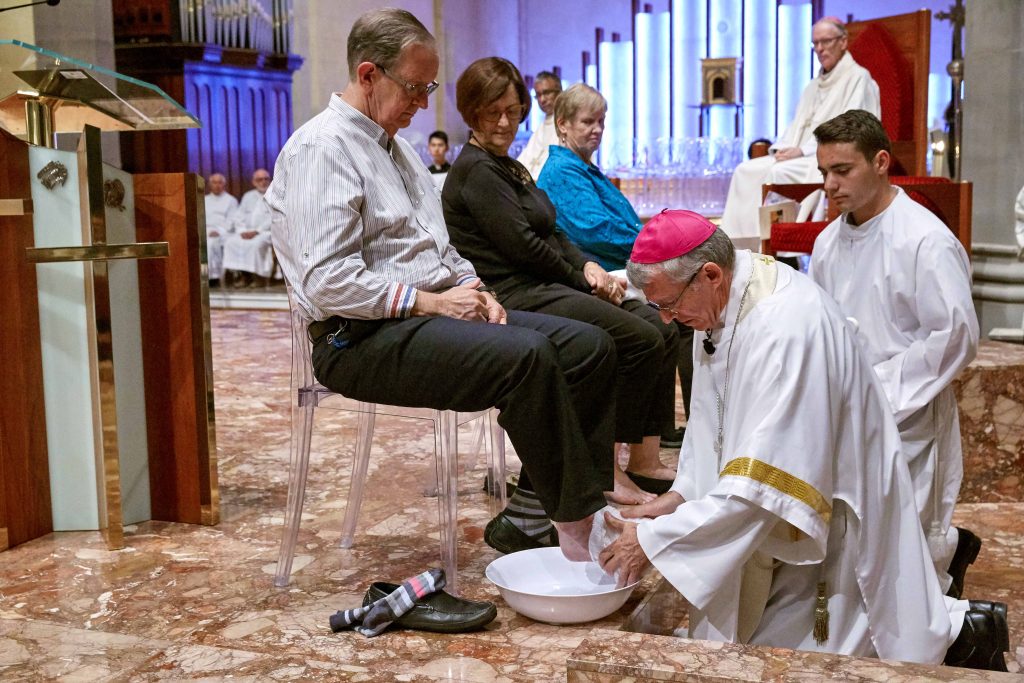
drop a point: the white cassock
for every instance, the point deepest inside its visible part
(220, 214)
(810, 488)
(847, 86)
(253, 255)
(906, 279)
(535, 153)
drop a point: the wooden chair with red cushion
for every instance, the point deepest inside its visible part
(950, 202)
(896, 51)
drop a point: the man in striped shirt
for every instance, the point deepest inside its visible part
(400, 317)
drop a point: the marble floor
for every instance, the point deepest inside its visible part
(184, 602)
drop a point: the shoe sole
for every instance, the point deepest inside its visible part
(474, 625)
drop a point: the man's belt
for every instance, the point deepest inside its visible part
(318, 329)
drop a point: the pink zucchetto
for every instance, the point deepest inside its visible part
(670, 234)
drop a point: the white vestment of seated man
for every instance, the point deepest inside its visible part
(252, 254)
(535, 154)
(806, 488)
(847, 86)
(906, 279)
(220, 215)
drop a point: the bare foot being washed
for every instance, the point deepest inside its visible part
(574, 538)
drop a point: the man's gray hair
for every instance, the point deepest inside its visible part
(717, 249)
(380, 36)
(834, 23)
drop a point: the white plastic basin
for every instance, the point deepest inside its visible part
(543, 585)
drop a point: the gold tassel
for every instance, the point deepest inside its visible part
(821, 616)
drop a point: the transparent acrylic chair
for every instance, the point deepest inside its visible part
(308, 394)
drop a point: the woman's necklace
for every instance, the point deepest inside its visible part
(721, 397)
(516, 169)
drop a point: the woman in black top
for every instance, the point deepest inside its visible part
(501, 222)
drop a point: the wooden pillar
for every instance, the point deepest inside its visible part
(176, 349)
(25, 510)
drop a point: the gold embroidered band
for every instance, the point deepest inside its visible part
(780, 480)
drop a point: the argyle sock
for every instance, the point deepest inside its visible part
(372, 619)
(527, 514)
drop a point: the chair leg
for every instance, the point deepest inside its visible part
(302, 428)
(446, 437)
(498, 498)
(360, 460)
(479, 434)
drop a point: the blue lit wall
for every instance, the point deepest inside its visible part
(759, 69)
(794, 66)
(725, 39)
(771, 39)
(690, 37)
(616, 84)
(653, 121)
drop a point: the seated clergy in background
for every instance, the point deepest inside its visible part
(791, 522)
(841, 85)
(437, 146)
(593, 213)
(248, 249)
(401, 317)
(547, 87)
(500, 220)
(220, 216)
(892, 265)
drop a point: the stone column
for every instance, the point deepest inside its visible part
(992, 155)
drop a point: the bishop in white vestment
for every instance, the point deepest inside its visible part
(791, 522)
(895, 268)
(842, 84)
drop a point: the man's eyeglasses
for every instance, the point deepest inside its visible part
(825, 42)
(514, 115)
(413, 89)
(547, 92)
(671, 308)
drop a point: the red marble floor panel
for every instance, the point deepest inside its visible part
(189, 602)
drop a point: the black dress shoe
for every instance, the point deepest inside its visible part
(967, 547)
(649, 484)
(979, 645)
(505, 537)
(999, 610)
(673, 438)
(437, 612)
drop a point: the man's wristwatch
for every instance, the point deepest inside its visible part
(484, 289)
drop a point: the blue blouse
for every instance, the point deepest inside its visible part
(592, 212)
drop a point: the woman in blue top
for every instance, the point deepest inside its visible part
(591, 211)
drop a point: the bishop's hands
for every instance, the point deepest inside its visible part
(462, 302)
(664, 504)
(603, 284)
(624, 558)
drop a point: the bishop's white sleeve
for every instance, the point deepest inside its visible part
(702, 546)
(948, 339)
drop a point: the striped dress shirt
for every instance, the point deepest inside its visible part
(357, 225)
